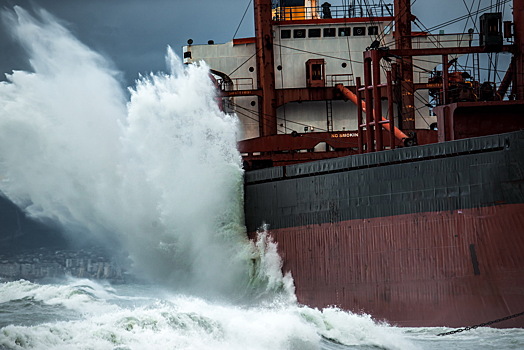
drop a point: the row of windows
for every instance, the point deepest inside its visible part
(328, 32)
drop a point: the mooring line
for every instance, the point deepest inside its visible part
(481, 325)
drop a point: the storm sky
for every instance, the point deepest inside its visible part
(134, 34)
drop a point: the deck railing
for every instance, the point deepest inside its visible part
(334, 79)
(445, 40)
(346, 11)
(236, 84)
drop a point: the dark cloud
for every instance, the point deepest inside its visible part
(134, 34)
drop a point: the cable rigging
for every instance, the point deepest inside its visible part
(242, 19)
(458, 19)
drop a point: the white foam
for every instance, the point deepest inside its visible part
(182, 322)
(159, 173)
(83, 296)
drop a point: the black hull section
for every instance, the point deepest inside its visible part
(461, 174)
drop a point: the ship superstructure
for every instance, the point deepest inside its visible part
(313, 48)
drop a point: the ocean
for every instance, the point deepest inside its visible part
(82, 314)
(152, 173)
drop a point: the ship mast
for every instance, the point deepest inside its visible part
(402, 34)
(265, 68)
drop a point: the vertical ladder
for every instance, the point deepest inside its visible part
(476, 67)
(329, 115)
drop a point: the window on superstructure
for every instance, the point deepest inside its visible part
(299, 33)
(314, 33)
(316, 72)
(373, 30)
(285, 33)
(359, 31)
(344, 31)
(329, 32)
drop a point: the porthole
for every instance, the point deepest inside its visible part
(359, 31)
(299, 33)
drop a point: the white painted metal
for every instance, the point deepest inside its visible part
(343, 56)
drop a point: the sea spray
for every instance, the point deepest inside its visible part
(158, 176)
(154, 319)
(183, 150)
(267, 279)
(58, 127)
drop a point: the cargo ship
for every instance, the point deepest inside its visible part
(386, 164)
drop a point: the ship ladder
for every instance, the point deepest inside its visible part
(329, 115)
(476, 68)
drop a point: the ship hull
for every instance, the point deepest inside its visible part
(429, 236)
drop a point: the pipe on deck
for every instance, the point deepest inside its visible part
(399, 135)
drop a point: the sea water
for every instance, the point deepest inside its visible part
(82, 314)
(154, 172)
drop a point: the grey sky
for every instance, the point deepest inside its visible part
(134, 34)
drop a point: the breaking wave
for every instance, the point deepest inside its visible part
(154, 319)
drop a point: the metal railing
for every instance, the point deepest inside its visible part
(445, 40)
(236, 84)
(248, 83)
(319, 12)
(334, 79)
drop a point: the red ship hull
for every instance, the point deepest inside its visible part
(452, 268)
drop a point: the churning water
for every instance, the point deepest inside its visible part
(154, 173)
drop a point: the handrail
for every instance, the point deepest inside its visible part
(288, 13)
(334, 79)
(236, 84)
